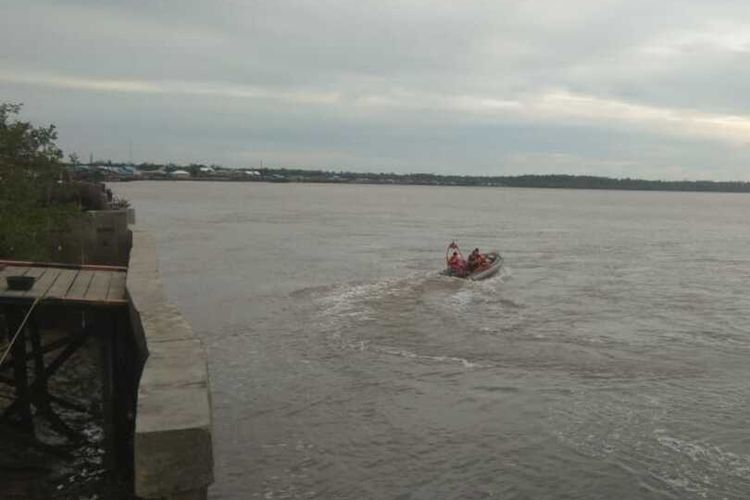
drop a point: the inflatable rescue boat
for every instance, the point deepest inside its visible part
(456, 265)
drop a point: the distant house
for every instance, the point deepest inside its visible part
(123, 170)
(111, 172)
(207, 170)
(179, 173)
(254, 173)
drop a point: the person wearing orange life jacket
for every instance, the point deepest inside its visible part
(476, 260)
(472, 261)
(481, 261)
(457, 264)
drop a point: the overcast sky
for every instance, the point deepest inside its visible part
(618, 88)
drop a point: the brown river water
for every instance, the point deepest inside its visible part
(609, 359)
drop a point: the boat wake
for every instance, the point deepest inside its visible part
(414, 293)
(363, 346)
(647, 445)
(420, 316)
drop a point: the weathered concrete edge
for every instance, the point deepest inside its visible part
(173, 438)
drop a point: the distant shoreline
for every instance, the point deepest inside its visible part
(114, 173)
(603, 188)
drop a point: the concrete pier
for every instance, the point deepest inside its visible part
(172, 444)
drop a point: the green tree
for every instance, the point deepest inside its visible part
(32, 209)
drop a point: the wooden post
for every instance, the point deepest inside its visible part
(125, 400)
(14, 316)
(103, 325)
(39, 392)
(40, 381)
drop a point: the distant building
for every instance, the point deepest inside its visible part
(179, 173)
(120, 170)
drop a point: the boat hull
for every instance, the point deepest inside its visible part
(494, 267)
(496, 263)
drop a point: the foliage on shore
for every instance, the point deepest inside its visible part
(35, 202)
(533, 181)
(552, 181)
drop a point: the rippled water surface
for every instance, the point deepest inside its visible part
(610, 359)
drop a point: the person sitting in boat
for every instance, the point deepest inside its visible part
(457, 264)
(481, 261)
(476, 260)
(472, 262)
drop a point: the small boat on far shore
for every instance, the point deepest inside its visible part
(488, 264)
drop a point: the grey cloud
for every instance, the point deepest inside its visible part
(657, 89)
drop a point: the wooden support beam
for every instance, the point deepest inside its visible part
(49, 370)
(105, 325)
(69, 350)
(40, 394)
(49, 347)
(14, 317)
(37, 354)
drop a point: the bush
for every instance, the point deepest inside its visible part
(35, 201)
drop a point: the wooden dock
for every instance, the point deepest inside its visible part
(96, 298)
(89, 285)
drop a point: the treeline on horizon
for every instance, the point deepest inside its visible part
(559, 181)
(593, 182)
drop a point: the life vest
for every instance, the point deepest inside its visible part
(456, 263)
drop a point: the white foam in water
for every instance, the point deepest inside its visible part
(396, 351)
(696, 468)
(475, 292)
(713, 457)
(356, 300)
(350, 300)
(461, 299)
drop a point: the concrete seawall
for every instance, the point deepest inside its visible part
(97, 237)
(172, 445)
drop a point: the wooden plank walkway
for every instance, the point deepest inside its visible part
(95, 286)
(62, 284)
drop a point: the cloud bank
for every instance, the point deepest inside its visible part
(596, 87)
